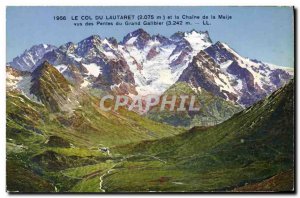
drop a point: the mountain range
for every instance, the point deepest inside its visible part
(144, 64)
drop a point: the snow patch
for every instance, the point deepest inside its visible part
(225, 65)
(93, 69)
(198, 41)
(61, 68)
(290, 70)
(85, 83)
(78, 59)
(131, 40)
(109, 54)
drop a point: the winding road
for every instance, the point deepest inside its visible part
(112, 168)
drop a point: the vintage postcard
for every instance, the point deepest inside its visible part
(150, 99)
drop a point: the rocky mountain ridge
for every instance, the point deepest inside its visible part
(145, 64)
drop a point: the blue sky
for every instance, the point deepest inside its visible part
(262, 33)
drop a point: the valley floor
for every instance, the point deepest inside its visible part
(251, 151)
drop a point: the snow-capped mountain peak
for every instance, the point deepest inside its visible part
(92, 39)
(250, 80)
(88, 44)
(198, 40)
(139, 38)
(68, 48)
(30, 57)
(162, 39)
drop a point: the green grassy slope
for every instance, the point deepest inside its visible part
(42, 139)
(253, 145)
(31, 128)
(49, 86)
(281, 182)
